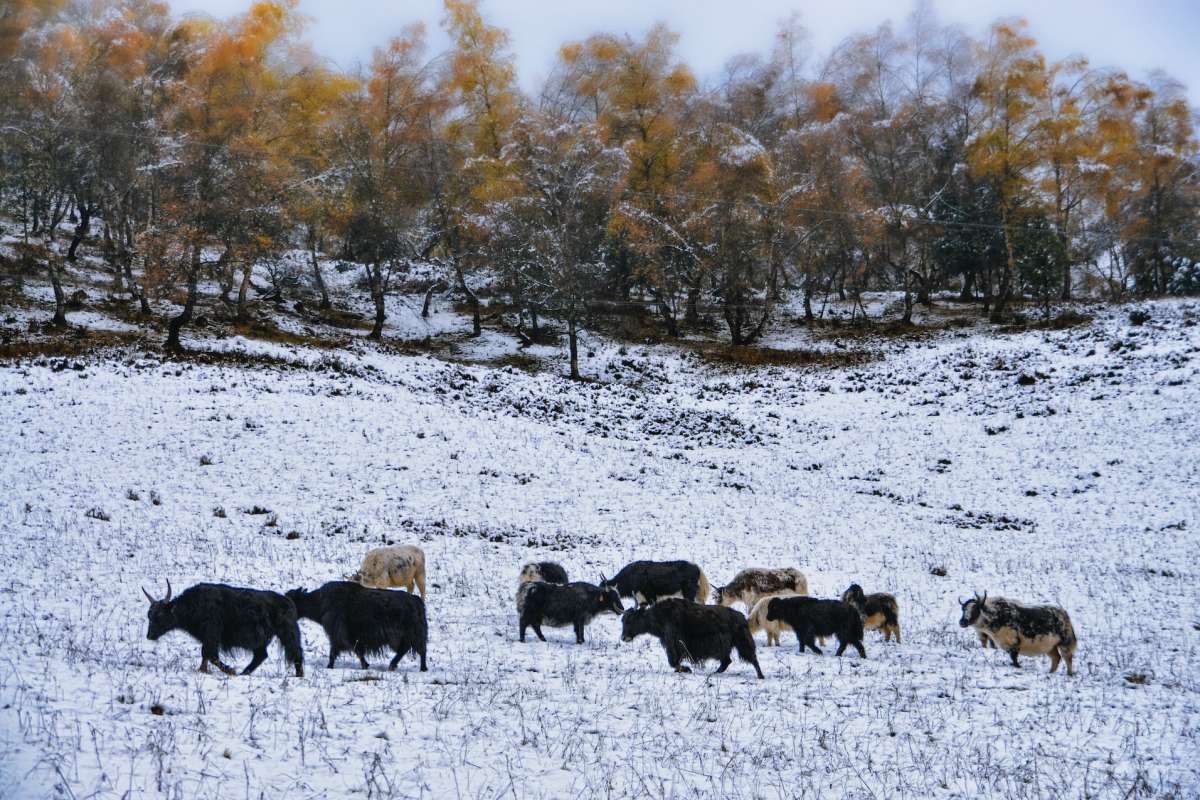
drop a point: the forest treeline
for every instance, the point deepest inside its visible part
(915, 158)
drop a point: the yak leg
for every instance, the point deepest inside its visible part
(362, 656)
(209, 651)
(401, 648)
(204, 666)
(674, 656)
(725, 662)
(1054, 659)
(578, 633)
(842, 645)
(538, 630)
(896, 630)
(260, 655)
(1012, 653)
(334, 652)
(1069, 655)
(862, 651)
(421, 584)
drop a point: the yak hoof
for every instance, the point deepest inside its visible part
(683, 668)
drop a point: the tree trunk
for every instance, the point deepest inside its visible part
(135, 292)
(967, 295)
(183, 318)
(52, 268)
(81, 230)
(225, 272)
(691, 316)
(573, 344)
(472, 300)
(433, 289)
(808, 293)
(1005, 288)
(375, 274)
(244, 289)
(1065, 295)
(318, 278)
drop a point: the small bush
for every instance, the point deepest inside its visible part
(219, 512)
(131, 494)
(206, 461)
(1139, 317)
(155, 498)
(97, 513)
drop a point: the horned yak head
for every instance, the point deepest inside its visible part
(161, 614)
(971, 609)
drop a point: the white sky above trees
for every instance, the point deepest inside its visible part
(1136, 35)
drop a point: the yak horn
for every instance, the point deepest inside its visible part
(148, 597)
(168, 597)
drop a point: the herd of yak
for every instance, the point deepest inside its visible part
(363, 616)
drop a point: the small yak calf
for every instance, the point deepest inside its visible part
(400, 566)
(227, 618)
(575, 604)
(365, 621)
(751, 585)
(647, 581)
(810, 618)
(758, 620)
(537, 572)
(693, 632)
(879, 611)
(1022, 630)
(544, 571)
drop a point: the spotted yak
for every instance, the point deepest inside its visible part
(1022, 630)
(751, 585)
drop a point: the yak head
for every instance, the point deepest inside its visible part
(634, 623)
(854, 596)
(299, 598)
(971, 609)
(161, 615)
(721, 596)
(772, 609)
(608, 599)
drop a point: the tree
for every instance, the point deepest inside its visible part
(1012, 83)
(564, 182)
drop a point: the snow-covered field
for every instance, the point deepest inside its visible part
(1081, 489)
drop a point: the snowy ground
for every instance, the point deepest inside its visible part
(1080, 489)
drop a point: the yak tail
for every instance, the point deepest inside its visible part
(1068, 638)
(702, 589)
(288, 632)
(891, 615)
(743, 641)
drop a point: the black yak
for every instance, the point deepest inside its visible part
(575, 604)
(365, 621)
(810, 618)
(228, 618)
(1022, 630)
(647, 581)
(879, 611)
(693, 632)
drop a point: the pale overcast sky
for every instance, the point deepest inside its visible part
(1134, 36)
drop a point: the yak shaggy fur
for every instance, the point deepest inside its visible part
(366, 621)
(225, 619)
(648, 581)
(693, 632)
(879, 611)
(575, 604)
(399, 567)
(751, 585)
(1019, 629)
(810, 618)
